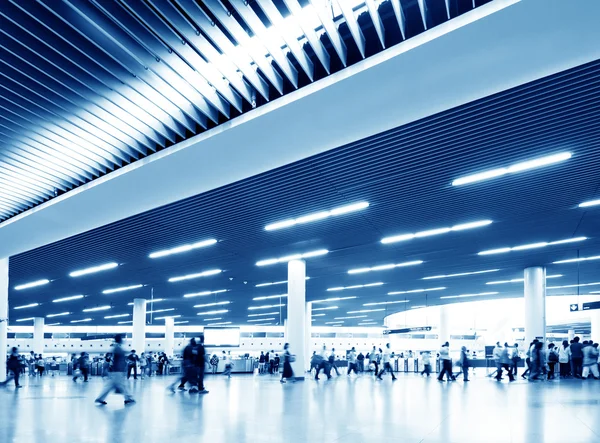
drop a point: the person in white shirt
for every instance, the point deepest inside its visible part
(426, 360)
(332, 362)
(374, 358)
(590, 361)
(446, 363)
(352, 362)
(497, 357)
(564, 359)
(324, 364)
(228, 364)
(387, 367)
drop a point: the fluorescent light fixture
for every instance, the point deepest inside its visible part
(460, 274)
(180, 322)
(343, 288)
(287, 258)
(349, 317)
(517, 167)
(167, 316)
(334, 322)
(197, 275)
(125, 322)
(268, 297)
(416, 291)
(53, 324)
(117, 316)
(217, 303)
(98, 308)
(589, 203)
(94, 269)
(518, 280)
(124, 288)
(30, 305)
(218, 311)
(418, 307)
(60, 314)
(325, 300)
(574, 260)
(62, 299)
(531, 246)
(32, 284)
(24, 319)
(319, 315)
(365, 310)
(430, 232)
(367, 323)
(155, 300)
(262, 324)
(219, 324)
(156, 311)
(212, 319)
(385, 267)
(253, 308)
(317, 216)
(263, 313)
(481, 294)
(386, 303)
(327, 308)
(260, 285)
(183, 248)
(261, 319)
(81, 321)
(203, 293)
(574, 286)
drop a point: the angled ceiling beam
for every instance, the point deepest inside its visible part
(376, 19)
(400, 17)
(331, 29)
(352, 23)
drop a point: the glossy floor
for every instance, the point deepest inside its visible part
(345, 409)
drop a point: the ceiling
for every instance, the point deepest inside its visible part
(405, 174)
(87, 87)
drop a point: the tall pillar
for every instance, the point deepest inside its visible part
(535, 304)
(595, 324)
(571, 334)
(307, 335)
(296, 314)
(139, 325)
(169, 336)
(3, 315)
(38, 335)
(443, 324)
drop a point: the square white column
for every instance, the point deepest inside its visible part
(3, 316)
(296, 314)
(38, 335)
(139, 325)
(308, 334)
(169, 336)
(535, 304)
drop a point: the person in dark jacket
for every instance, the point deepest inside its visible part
(288, 373)
(116, 378)
(13, 364)
(576, 358)
(132, 361)
(188, 366)
(200, 365)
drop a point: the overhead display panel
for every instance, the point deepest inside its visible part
(222, 337)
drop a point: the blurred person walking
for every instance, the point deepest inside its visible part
(590, 361)
(188, 367)
(387, 367)
(446, 363)
(116, 378)
(288, 358)
(352, 361)
(552, 360)
(576, 358)
(426, 360)
(13, 364)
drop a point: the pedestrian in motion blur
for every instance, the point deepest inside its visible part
(188, 366)
(116, 378)
(590, 361)
(13, 364)
(288, 358)
(446, 363)
(464, 363)
(387, 367)
(352, 362)
(426, 359)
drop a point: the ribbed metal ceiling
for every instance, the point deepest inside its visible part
(88, 86)
(405, 174)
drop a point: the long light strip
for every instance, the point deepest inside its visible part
(218, 311)
(212, 319)
(121, 289)
(416, 291)
(343, 288)
(287, 258)
(63, 299)
(53, 324)
(460, 274)
(94, 269)
(268, 297)
(319, 315)
(317, 216)
(154, 300)
(253, 308)
(24, 319)
(203, 293)
(32, 284)
(328, 308)
(574, 260)
(517, 167)
(481, 294)
(98, 308)
(531, 246)
(60, 314)
(349, 317)
(386, 303)
(518, 280)
(368, 323)
(167, 316)
(574, 286)
(261, 319)
(181, 322)
(81, 321)
(30, 305)
(117, 316)
(219, 324)
(589, 203)
(385, 267)
(334, 322)
(325, 300)
(197, 275)
(217, 303)
(365, 310)
(438, 231)
(262, 324)
(125, 322)
(183, 248)
(260, 285)
(156, 311)
(262, 314)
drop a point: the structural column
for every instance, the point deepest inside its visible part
(139, 325)
(296, 314)
(307, 334)
(169, 336)
(571, 334)
(595, 324)
(443, 324)
(3, 315)
(38, 335)
(535, 304)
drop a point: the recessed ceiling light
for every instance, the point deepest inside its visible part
(261, 319)
(125, 322)
(60, 314)
(267, 297)
(367, 323)
(30, 305)
(148, 302)
(589, 203)
(574, 260)
(517, 167)
(260, 285)
(124, 288)
(317, 216)
(167, 316)
(431, 232)
(93, 269)
(252, 308)
(183, 248)
(197, 275)
(156, 311)
(219, 324)
(531, 246)
(218, 311)
(386, 303)
(334, 322)
(349, 317)
(481, 294)
(117, 316)
(573, 286)
(81, 321)
(385, 267)
(343, 288)
(212, 319)
(217, 303)
(32, 284)
(416, 291)
(460, 274)
(98, 308)
(24, 319)
(52, 324)
(62, 299)
(360, 311)
(181, 322)
(319, 315)
(263, 313)
(518, 280)
(203, 293)
(325, 300)
(327, 308)
(287, 258)
(262, 324)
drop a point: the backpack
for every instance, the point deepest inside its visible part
(552, 357)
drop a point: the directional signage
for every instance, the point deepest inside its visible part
(591, 305)
(407, 330)
(573, 307)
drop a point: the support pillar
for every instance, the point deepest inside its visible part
(535, 304)
(595, 324)
(296, 314)
(38, 335)
(571, 334)
(443, 324)
(3, 316)
(139, 325)
(169, 336)
(307, 335)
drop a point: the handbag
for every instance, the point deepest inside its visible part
(292, 358)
